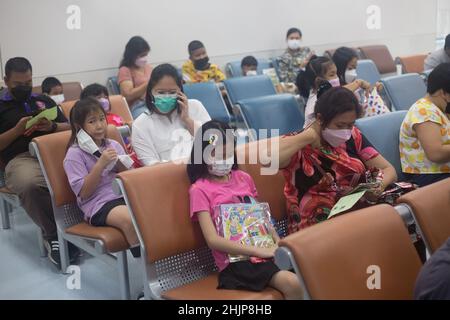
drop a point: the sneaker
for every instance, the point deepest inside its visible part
(52, 247)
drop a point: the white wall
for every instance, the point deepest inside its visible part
(230, 29)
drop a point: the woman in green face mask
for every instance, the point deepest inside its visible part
(165, 131)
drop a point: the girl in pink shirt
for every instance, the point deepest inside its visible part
(216, 180)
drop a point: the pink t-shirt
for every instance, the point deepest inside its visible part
(205, 195)
(138, 78)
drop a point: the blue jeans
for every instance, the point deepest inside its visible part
(138, 108)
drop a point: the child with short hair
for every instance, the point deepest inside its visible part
(249, 66)
(53, 88)
(198, 68)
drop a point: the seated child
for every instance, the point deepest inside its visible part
(215, 181)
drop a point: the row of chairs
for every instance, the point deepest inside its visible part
(172, 259)
(179, 266)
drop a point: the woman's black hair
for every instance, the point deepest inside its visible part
(49, 83)
(439, 78)
(197, 167)
(79, 113)
(94, 90)
(134, 48)
(293, 30)
(341, 57)
(336, 101)
(308, 79)
(158, 73)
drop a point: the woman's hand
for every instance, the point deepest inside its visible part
(313, 134)
(184, 106)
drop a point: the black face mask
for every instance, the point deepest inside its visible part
(447, 109)
(201, 64)
(21, 93)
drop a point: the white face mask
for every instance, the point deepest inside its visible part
(294, 44)
(141, 62)
(350, 75)
(87, 144)
(59, 98)
(221, 168)
(251, 73)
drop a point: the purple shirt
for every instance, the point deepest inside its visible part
(77, 165)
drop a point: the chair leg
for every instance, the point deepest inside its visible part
(5, 210)
(124, 281)
(63, 251)
(42, 249)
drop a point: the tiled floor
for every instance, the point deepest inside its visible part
(26, 275)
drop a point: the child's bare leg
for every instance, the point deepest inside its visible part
(119, 217)
(287, 282)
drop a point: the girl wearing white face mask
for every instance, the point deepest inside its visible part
(346, 60)
(216, 180)
(134, 74)
(295, 58)
(326, 157)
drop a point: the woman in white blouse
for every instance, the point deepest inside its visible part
(165, 131)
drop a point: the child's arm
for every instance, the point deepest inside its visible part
(92, 180)
(219, 243)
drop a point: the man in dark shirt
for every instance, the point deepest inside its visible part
(433, 282)
(23, 175)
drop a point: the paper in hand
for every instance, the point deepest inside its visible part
(126, 160)
(49, 114)
(346, 203)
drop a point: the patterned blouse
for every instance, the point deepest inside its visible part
(309, 202)
(412, 155)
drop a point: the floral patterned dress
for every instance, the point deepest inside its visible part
(310, 202)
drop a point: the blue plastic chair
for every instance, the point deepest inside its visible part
(248, 87)
(367, 70)
(210, 96)
(234, 68)
(113, 86)
(404, 90)
(383, 132)
(271, 112)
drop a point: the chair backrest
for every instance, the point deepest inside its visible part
(341, 258)
(210, 96)
(272, 112)
(413, 64)
(234, 68)
(72, 90)
(367, 70)
(248, 87)
(119, 106)
(386, 141)
(113, 86)
(404, 90)
(431, 209)
(329, 53)
(381, 56)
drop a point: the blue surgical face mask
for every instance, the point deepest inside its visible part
(165, 103)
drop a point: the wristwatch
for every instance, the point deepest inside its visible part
(54, 126)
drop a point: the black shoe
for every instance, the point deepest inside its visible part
(74, 253)
(136, 252)
(53, 255)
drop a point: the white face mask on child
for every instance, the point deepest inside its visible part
(87, 144)
(221, 168)
(59, 98)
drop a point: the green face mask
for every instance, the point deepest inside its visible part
(165, 103)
